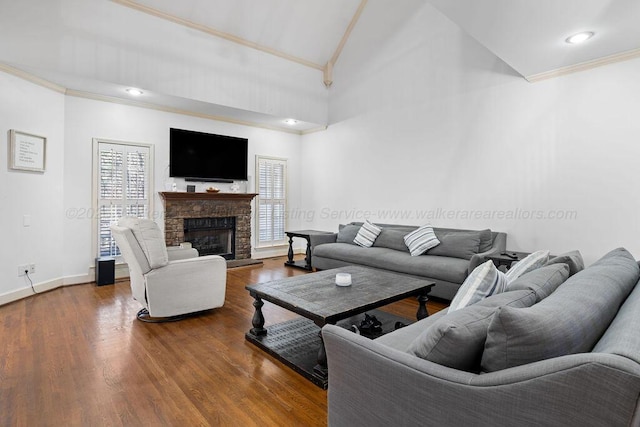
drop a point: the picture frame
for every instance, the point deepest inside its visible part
(27, 152)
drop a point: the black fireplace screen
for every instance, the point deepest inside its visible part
(212, 236)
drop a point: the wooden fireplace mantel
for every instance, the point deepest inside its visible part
(181, 195)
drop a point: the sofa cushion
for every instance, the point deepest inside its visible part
(367, 234)
(457, 339)
(421, 240)
(484, 281)
(543, 281)
(440, 268)
(392, 238)
(456, 243)
(528, 263)
(573, 259)
(570, 320)
(486, 241)
(150, 238)
(346, 233)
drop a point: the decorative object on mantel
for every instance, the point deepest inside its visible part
(213, 190)
(27, 152)
(235, 187)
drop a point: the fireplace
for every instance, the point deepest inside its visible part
(212, 236)
(210, 211)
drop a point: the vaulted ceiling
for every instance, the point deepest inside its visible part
(261, 61)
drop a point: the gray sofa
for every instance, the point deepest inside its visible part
(448, 264)
(567, 356)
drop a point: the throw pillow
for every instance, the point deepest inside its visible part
(367, 234)
(543, 281)
(457, 339)
(573, 259)
(421, 240)
(570, 320)
(456, 243)
(486, 240)
(528, 263)
(346, 233)
(484, 280)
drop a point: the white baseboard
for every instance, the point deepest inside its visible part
(121, 272)
(273, 252)
(27, 292)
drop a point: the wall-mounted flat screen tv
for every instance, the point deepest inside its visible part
(199, 156)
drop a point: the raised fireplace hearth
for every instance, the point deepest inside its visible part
(214, 223)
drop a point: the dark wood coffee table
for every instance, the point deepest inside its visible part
(316, 297)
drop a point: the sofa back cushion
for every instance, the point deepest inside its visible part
(543, 281)
(392, 238)
(457, 339)
(570, 320)
(573, 259)
(346, 233)
(456, 243)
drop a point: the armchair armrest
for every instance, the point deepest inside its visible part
(184, 251)
(499, 246)
(202, 285)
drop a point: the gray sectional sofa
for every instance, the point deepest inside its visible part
(448, 264)
(553, 350)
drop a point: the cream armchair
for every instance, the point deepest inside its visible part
(168, 286)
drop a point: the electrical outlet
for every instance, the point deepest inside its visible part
(22, 268)
(32, 268)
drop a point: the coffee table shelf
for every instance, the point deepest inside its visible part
(316, 297)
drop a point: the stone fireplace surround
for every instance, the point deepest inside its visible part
(181, 205)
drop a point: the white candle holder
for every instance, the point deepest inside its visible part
(343, 279)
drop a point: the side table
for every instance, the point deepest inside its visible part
(503, 259)
(305, 234)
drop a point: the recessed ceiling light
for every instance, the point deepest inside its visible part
(580, 37)
(134, 92)
(291, 122)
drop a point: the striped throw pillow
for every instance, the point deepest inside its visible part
(484, 281)
(367, 234)
(421, 240)
(529, 263)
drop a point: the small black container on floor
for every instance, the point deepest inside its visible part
(105, 271)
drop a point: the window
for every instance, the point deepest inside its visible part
(122, 187)
(271, 176)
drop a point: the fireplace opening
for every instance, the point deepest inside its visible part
(212, 236)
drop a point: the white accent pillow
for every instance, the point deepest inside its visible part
(367, 234)
(485, 280)
(421, 240)
(527, 264)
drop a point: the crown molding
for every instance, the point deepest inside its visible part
(31, 78)
(583, 66)
(167, 109)
(217, 33)
(96, 97)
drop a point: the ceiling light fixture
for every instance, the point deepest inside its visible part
(291, 122)
(580, 37)
(134, 92)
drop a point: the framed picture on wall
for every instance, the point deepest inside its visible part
(27, 152)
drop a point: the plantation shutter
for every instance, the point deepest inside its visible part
(271, 174)
(123, 189)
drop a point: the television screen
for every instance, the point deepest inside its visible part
(199, 156)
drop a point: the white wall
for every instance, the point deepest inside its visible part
(30, 108)
(436, 123)
(87, 119)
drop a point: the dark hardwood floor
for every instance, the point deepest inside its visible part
(77, 356)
